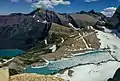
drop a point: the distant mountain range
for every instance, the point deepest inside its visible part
(23, 31)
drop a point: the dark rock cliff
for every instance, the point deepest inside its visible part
(21, 32)
(116, 76)
(114, 22)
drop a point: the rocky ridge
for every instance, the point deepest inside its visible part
(23, 31)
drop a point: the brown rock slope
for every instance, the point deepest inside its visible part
(34, 77)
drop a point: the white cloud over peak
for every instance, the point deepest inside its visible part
(109, 12)
(49, 3)
(45, 3)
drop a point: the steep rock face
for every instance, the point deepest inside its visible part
(114, 22)
(47, 15)
(116, 76)
(97, 15)
(66, 19)
(21, 32)
(76, 19)
(83, 20)
(63, 19)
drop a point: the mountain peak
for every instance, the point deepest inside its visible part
(38, 10)
(92, 11)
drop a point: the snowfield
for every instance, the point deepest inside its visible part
(102, 71)
(92, 72)
(111, 40)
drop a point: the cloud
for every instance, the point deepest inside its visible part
(29, 1)
(49, 3)
(94, 0)
(90, 1)
(109, 12)
(14, 0)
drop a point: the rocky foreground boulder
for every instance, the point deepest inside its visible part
(34, 77)
(5, 76)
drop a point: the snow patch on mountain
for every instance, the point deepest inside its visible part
(111, 40)
(53, 48)
(71, 25)
(45, 21)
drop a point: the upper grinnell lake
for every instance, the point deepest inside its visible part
(10, 52)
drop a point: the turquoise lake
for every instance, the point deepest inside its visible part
(10, 52)
(56, 66)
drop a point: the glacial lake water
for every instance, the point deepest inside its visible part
(56, 66)
(10, 52)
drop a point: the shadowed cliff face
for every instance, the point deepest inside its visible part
(116, 76)
(47, 15)
(114, 22)
(21, 32)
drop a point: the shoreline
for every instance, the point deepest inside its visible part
(63, 59)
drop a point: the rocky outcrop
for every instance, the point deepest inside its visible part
(4, 74)
(97, 15)
(84, 20)
(116, 76)
(21, 32)
(34, 77)
(114, 21)
(42, 15)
